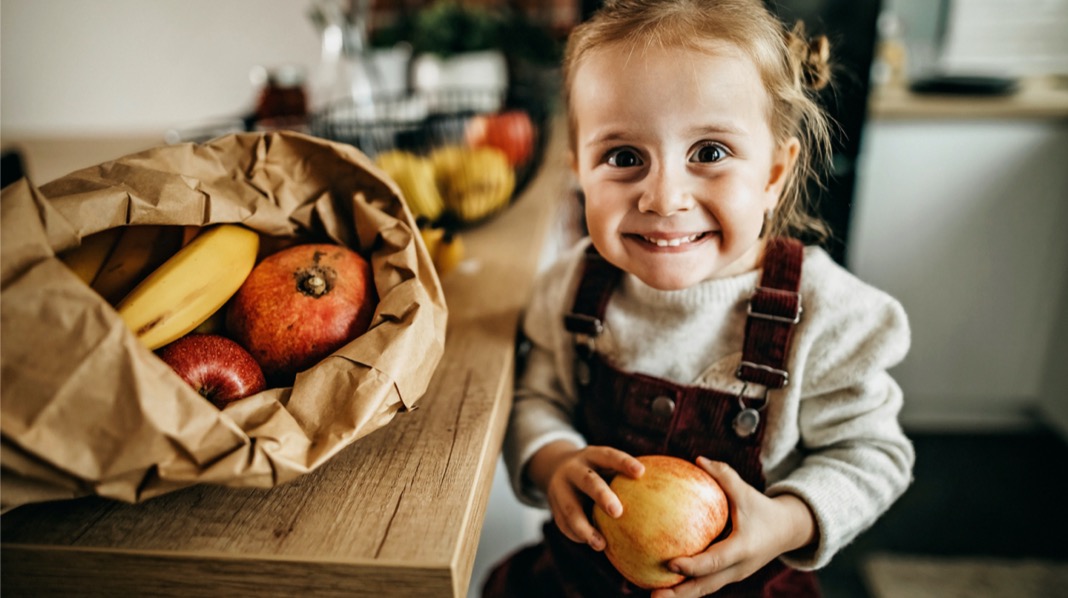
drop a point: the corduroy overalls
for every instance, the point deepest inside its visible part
(645, 415)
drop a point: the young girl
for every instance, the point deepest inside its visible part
(690, 322)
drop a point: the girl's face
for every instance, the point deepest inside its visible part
(675, 156)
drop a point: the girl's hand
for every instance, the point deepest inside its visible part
(763, 529)
(571, 476)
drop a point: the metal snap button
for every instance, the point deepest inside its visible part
(663, 406)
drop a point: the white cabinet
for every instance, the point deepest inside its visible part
(964, 221)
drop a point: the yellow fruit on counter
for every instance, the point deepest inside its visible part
(450, 253)
(432, 239)
(190, 286)
(415, 177)
(474, 183)
(445, 248)
(139, 250)
(87, 259)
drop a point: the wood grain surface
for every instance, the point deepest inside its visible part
(397, 514)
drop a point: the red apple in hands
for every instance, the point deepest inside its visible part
(674, 509)
(215, 366)
(511, 132)
(301, 304)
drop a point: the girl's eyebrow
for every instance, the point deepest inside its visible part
(608, 136)
(720, 128)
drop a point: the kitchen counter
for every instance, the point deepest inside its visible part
(1036, 98)
(396, 514)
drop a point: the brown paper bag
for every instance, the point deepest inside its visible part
(87, 409)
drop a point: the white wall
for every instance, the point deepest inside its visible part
(83, 67)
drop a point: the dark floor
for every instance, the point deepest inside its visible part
(987, 494)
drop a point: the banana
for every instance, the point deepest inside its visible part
(190, 286)
(474, 183)
(415, 177)
(139, 250)
(189, 233)
(88, 258)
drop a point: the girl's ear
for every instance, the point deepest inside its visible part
(782, 164)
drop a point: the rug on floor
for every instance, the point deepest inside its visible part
(913, 576)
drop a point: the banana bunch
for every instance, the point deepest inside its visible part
(468, 183)
(190, 286)
(474, 182)
(415, 177)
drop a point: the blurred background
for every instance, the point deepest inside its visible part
(949, 190)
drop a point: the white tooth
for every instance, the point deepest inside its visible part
(672, 242)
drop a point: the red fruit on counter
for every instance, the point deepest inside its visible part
(300, 305)
(510, 131)
(215, 366)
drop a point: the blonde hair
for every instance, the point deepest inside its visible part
(792, 67)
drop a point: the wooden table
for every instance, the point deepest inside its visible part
(397, 514)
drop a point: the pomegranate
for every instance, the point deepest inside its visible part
(301, 304)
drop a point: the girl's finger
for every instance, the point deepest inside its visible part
(593, 485)
(725, 476)
(612, 459)
(572, 521)
(721, 556)
(700, 586)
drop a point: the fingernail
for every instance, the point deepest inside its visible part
(703, 461)
(615, 510)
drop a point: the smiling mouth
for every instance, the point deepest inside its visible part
(673, 242)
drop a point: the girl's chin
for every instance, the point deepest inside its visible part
(670, 274)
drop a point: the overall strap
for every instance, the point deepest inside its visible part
(596, 283)
(774, 310)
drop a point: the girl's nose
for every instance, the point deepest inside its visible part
(667, 192)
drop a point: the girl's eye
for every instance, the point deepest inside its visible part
(709, 152)
(624, 158)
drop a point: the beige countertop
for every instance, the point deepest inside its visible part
(1036, 98)
(398, 513)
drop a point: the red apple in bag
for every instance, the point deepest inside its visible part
(215, 366)
(674, 509)
(300, 305)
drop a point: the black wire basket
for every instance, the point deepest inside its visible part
(425, 123)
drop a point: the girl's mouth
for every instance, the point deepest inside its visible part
(672, 242)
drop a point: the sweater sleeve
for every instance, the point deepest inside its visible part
(855, 458)
(544, 401)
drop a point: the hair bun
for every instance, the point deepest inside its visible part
(816, 65)
(811, 57)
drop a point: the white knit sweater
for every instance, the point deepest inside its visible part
(833, 437)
